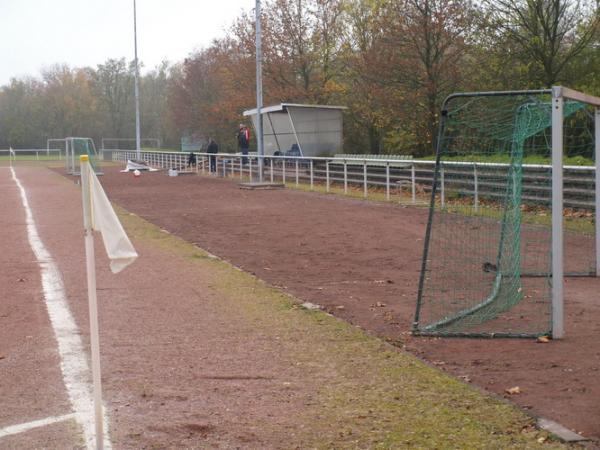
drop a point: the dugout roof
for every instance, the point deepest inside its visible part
(316, 129)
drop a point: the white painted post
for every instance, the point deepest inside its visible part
(92, 300)
(557, 214)
(597, 179)
(365, 179)
(296, 173)
(387, 180)
(413, 183)
(475, 188)
(327, 175)
(250, 166)
(283, 166)
(271, 161)
(345, 177)
(311, 175)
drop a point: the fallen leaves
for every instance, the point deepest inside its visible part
(378, 305)
(516, 390)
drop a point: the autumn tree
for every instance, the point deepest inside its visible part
(112, 84)
(549, 33)
(427, 46)
(360, 85)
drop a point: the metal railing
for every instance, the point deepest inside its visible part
(33, 153)
(477, 181)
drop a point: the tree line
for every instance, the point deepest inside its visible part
(391, 62)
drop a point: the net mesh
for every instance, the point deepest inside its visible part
(488, 254)
(74, 149)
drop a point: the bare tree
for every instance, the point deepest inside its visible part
(550, 33)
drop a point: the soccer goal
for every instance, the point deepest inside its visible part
(508, 220)
(74, 148)
(56, 145)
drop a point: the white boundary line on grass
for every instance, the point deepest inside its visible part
(74, 365)
(22, 427)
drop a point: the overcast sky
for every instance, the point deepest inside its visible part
(39, 33)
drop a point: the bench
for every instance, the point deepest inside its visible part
(374, 160)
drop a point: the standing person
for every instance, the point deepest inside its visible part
(243, 137)
(213, 148)
(191, 159)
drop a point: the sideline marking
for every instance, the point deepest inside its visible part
(22, 427)
(74, 365)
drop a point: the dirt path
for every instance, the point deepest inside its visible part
(29, 360)
(361, 260)
(196, 354)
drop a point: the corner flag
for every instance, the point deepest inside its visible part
(103, 219)
(98, 215)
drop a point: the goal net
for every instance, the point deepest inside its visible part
(74, 148)
(487, 267)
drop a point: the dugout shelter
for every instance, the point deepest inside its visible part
(316, 130)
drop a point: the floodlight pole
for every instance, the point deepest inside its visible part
(259, 95)
(137, 89)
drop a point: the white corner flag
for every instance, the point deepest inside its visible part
(99, 215)
(104, 219)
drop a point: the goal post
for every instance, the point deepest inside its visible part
(56, 144)
(494, 252)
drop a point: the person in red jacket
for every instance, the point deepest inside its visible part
(243, 137)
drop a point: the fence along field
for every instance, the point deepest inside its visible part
(495, 226)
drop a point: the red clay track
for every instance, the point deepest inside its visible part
(360, 260)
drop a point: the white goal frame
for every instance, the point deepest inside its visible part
(559, 94)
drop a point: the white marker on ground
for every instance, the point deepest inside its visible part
(23, 427)
(74, 365)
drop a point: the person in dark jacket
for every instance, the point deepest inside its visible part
(243, 137)
(191, 160)
(212, 148)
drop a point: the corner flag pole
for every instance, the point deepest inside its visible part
(93, 305)
(137, 90)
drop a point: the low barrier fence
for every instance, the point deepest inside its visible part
(474, 181)
(34, 154)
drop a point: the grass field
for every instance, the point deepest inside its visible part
(536, 159)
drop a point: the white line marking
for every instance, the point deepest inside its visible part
(22, 427)
(74, 365)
